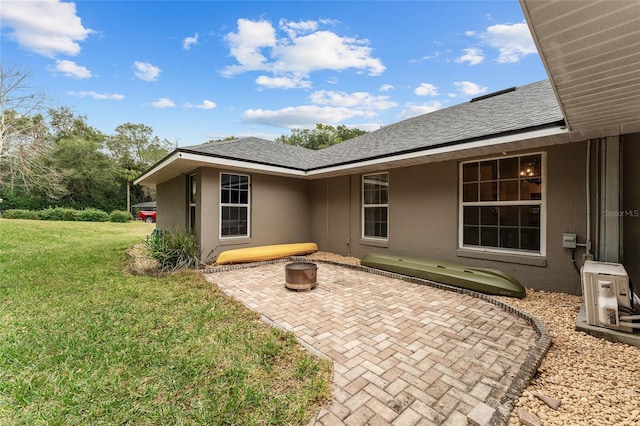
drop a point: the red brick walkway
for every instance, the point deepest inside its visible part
(403, 353)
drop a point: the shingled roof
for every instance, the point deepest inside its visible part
(511, 112)
(257, 151)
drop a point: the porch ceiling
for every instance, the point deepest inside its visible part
(591, 51)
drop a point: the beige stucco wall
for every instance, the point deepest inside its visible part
(631, 208)
(207, 211)
(423, 218)
(169, 195)
(330, 214)
(423, 215)
(279, 212)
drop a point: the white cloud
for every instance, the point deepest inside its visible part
(473, 56)
(359, 100)
(328, 107)
(206, 104)
(469, 88)
(301, 116)
(386, 87)
(190, 41)
(513, 41)
(295, 28)
(247, 43)
(71, 69)
(426, 57)
(163, 103)
(369, 127)
(326, 50)
(328, 21)
(145, 71)
(301, 50)
(98, 96)
(426, 89)
(46, 27)
(413, 110)
(295, 82)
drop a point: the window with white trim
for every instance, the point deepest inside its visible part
(234, 205)
(375, 206)
(503, 203)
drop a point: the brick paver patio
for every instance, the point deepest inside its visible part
(403, 353)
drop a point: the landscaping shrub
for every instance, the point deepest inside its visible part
(120, 216)
(62, 213)
(58, 213)
(173, 250)
(19, 214)
(13, 201)
(92, 215)
(46, 214)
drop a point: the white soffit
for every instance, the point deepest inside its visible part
(591, 51)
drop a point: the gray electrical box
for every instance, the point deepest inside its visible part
(569, 240)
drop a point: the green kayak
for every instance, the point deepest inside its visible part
(483, 280)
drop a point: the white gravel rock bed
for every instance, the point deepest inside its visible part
(597, 381)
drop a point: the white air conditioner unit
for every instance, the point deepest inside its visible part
(605, 288)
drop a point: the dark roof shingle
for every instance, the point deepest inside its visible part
(525, 108)
(258, 151)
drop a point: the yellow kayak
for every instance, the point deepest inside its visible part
(260, 253)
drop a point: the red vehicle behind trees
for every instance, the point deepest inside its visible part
(147, 216)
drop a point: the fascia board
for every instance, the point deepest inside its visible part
(198, 159)
(497, 141)
(240, 164)
(165, 162)
(249, 166)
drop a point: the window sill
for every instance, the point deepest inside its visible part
(373, 243)
(522, 259)
(234, 241)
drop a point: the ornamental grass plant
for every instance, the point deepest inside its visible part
(174, 250)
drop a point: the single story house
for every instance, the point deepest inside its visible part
(495, 182)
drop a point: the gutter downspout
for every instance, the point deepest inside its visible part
(621, 201)
(597, 198)
(350, 220)
(326, 197)
(610, 197)
(588, 255)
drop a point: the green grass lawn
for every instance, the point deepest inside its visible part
(82, 342)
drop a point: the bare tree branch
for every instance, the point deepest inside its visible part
(25, 143)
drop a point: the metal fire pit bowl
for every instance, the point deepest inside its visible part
(300, 276)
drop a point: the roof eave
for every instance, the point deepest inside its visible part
(143, 179)
(479, 146)
(185, 161)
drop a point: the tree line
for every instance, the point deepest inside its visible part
(53, 157)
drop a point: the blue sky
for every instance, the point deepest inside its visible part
(200, 70)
